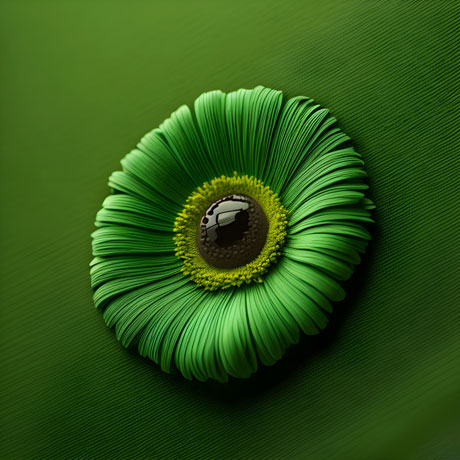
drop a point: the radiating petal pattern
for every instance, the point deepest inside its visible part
(295, 149)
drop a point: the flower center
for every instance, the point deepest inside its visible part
(232, 232)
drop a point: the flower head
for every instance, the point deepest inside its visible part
(228, 232)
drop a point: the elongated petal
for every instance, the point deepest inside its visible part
(117, 240)
(273, 327)
(234, 344)
(196, 352)
(106, 269)
(132, 313)
(131, 211)
(187, 147)
(304, 132)
(304, 292)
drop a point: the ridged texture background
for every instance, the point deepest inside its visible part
(81, 82)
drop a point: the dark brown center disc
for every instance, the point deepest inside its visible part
(232, 232)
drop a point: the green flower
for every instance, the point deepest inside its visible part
(228, 232)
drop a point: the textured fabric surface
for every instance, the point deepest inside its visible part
(82, 81)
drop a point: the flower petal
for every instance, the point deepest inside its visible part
(237, 128)
(345, 246)
(127, 183)
(311, 278)
(251, 119)
(334, 267)
(334, 196)
(121, 209)
(304, 131)
(196, 353)
(161, 337)
(186, 146)
(115, 268)
(118, 240)
(132, 312)
(157, 171)
(359, 235)
(272, 327)
(234, 343)
(298, 298)
(318, 173)
(210, 112)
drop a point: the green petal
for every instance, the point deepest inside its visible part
(196, 353)
(233, 339)
(116, 268)
(132, 312)
(156, 173)
(114, 288)
(121, 209)
(161, 336)
(332, 197)
(166, 171)
(210, 112)
(315, 278)
(208, 345)
(348, 247)
(186, 329)
(335, 215)
(304, 131)
(272, 327)
(359, 234)
(117, 240)
(124, 182)
(295, 302)
(251, 119)
(319, 291)
(331, 265)
(321, 172)
(237, 128)
(187, 147)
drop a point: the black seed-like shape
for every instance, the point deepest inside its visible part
(232, 232)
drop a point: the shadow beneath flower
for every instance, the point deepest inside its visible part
(298, 358)
(292, 368)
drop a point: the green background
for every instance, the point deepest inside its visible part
(82, 81)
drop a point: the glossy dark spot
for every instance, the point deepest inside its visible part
(232, 232)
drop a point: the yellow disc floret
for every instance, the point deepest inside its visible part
(187, 225)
